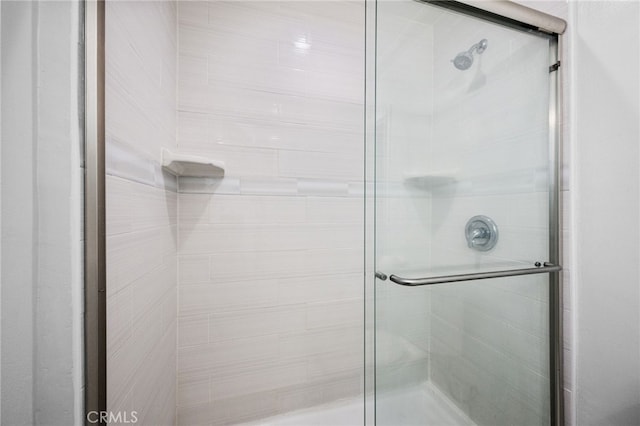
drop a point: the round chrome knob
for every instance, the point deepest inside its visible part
(481, 233)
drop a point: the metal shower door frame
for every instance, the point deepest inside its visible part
(504, 12)
(95, 276)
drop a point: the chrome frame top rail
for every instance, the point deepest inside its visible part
(414, 282)
(507, 13)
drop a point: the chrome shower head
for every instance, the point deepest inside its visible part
(464, 60)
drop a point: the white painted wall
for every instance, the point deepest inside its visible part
(18, 271)
(58, 302)
(606, 135)
(41, 199)
(141, 203)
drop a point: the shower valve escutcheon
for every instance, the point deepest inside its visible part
(481, 233)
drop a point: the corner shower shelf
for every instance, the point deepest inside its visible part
(191, 165)
(430, 181)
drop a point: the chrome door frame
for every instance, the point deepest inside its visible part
(95, 297)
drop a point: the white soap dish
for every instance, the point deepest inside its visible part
(191, 165)
(431, 181)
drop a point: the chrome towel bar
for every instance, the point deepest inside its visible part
(414, 282)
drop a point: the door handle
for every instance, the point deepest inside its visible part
(539, 268)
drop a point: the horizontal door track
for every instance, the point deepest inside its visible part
(539, 268)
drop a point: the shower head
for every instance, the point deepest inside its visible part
(464, 60)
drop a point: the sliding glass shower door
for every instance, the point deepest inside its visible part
(466, 216)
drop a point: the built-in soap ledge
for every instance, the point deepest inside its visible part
(431, 181)
(191, 165)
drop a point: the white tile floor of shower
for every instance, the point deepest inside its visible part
(420, 405)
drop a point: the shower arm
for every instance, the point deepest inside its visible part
(479, 47)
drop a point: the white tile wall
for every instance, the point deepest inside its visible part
(142, 210)
(270, 257)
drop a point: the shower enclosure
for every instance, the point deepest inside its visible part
(387, 256)
(466, 216)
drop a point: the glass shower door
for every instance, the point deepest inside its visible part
(466, 212)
